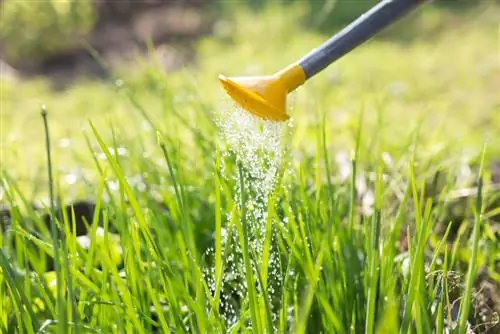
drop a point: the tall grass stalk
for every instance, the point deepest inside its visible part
(242, 226)
(61, 311)
(466, 301)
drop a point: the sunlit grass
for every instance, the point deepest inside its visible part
(381, 145)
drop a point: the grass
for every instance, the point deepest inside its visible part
(384, 145)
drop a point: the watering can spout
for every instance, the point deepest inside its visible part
(265, 96)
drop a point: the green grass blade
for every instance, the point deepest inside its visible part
(472, 272)
(243, 236)
(310, 293)
(61, 312)
(354, 167)
(218, 233)
(19, 296)
(374, 260)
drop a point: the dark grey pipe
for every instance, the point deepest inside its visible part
(360, 30)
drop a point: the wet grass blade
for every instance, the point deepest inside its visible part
(265, 296)
(218, 233)
(249, 275)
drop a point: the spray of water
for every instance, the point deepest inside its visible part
(258, 147)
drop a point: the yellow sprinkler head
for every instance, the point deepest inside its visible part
(265, 96)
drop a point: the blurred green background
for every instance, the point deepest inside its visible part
(35, 32)
(132, 67)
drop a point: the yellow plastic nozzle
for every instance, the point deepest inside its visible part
(265, 96)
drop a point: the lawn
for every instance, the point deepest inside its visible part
(379, 212)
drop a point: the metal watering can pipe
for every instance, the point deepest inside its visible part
(265, 96)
